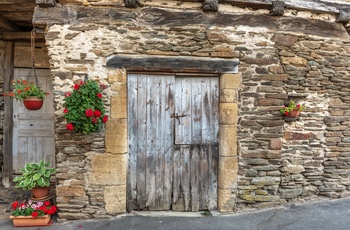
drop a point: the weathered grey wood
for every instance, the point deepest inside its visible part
(165, 17)
(133, 146)
(166, 174)
(210, 5)
(7, 129)
(213, 161)
(8, 25)
(176, 64)
(46, 3)
(277, 8)
(33, 131)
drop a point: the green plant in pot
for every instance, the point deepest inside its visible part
(35, 177)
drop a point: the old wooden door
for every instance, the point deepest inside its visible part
(33, 130)
(173, 142)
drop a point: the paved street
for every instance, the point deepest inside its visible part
(323, 215)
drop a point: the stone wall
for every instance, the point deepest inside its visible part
(2, 70)
(279, 159)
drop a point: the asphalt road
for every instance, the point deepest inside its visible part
(324, 215)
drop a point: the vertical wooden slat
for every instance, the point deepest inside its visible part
(214, 115)
(177, 168)
(185, 174)
(183, 105)
(7, 129)
(213, 157)
(195, 177)
(142, 140)
(132, 143)
(196, 110)
(204, 171)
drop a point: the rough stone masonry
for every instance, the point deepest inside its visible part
(301, 56)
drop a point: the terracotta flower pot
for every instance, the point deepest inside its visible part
(29, 221)
(294, 113)
(39, 192)
(33, 103)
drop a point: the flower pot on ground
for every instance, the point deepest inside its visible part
(32, 213)
(35, 175)
(29, 221)
(292, 109)
(23, 90)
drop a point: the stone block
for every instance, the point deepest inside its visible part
(228, 95)
(228, 169)
(116, 136)
(270, 102)
(116, 75)
(118, 107)
(230, 81)
(228, 140)
(290, 193)
(228, 113)
(115, 199)
(70, 190)
(108, 169)
(298, 61)
(120, 88)
(284, 40)
(227, 199)
(268, 180)
(298, 136)
(275, 144)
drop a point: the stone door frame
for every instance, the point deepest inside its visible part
(117, 142)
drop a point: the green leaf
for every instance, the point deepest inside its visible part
(36, 177)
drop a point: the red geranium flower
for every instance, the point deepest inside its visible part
(89, 112)
(35, 214)
(286, 113)
(76, 86)
(105, 119)
(97, 113)
(14, 205)
(65, 110)
(99, 95)
(70, 126)
(47, 203)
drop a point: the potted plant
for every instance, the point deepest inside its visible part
(32, 213)
(292, 109)
(28, 92)
(35, 177)
(83, 108)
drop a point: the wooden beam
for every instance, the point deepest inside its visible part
(7, 25)
(21, 36)
(132, 3)
(7, 141)
(210, 5)
(173, 64)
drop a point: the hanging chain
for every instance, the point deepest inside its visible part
(32, 45)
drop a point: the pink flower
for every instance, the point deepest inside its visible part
(89, 112)
(97, 113)
(70, 126)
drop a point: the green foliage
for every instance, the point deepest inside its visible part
(34, 174)
(286, 109)
(84, 109)
(23, 89)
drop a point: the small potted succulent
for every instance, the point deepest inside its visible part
(292, 109)
(35, 177)
(28, 92)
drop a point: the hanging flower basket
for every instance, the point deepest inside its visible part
(33, 103)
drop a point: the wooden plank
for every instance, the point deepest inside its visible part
(183, 104)
(214, 109)
(213, 160)
(132, 142)
(22, 36)
(168, 139)
(7, 129)
(195, 177)
(186, 175)
(142, 142)
(196, 114)
(151, 113)
(204, 175)
(177, 168)
(176, 64)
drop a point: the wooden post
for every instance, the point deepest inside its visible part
(277, 8)
(7, 146)
(210, 5)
